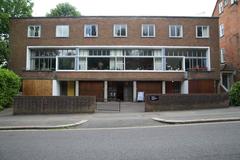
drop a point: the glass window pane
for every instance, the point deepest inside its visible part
(98, 63)
(139, 63)
(66, 63)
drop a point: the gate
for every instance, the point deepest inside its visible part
(113, 105)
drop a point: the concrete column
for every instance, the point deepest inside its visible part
(134, 91)
(55, 88)
(184, 87)
(76, 88)
(105, 91)
(163, 87)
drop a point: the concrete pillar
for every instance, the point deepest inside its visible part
(163, 87)
(76, 88)
(105, 91)
(134, 91)
(55, 88)
(184, 87)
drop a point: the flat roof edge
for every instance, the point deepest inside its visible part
(98, 17)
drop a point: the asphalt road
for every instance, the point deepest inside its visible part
(213, 141)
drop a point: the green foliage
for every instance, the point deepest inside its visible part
(4, 52)
(10, 9)
(234, 94)
(63, 10)
(9, 87)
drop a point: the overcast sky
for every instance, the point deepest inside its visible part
(131, 7)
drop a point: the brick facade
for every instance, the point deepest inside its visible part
(19, 43)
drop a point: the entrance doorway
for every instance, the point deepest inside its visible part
(122, 91)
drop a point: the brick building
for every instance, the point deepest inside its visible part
(115, 56)
(228, 12)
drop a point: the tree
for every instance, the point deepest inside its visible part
(10, 9)
(63, 10)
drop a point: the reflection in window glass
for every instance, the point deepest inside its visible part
(174, 64)
(139, 63)
(98, 63)
(66, 63)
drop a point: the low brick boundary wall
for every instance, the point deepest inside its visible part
(53, 104)
(159, 102)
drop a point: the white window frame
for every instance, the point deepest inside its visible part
(222, 53)
(221, 30)
(39, 32)
(121, 25)
(203, 36)
(90, 25)
(61, 28)
(148, 28)
(175, 30)
(220, 7)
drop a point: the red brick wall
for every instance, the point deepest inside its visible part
(231, 39)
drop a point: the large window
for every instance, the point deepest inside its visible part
(34, 31)
(90, 30)
(162, 59)
(148, 30)
(175, 31)
(202, 31)
(62, 31)
(120, 30)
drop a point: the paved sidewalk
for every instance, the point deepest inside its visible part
(199, 116)
(10, 121)
(115, 119)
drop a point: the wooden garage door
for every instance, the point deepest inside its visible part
(149, 87)
(201, 86)
(37, 87)
(92, 89)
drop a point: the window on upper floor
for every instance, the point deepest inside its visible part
(90, 30)
(34, 31)
(220, 7)
(233, 1)
(225, 2)
(148, 30)
(202, 31)
(176, 31)
(120, 30)
(222, 52)
(62, 31)
(221, 30)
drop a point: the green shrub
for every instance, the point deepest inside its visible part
(234, 94)
(9, 87)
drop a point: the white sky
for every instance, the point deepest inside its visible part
(131, 7)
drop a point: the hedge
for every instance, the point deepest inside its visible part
(9, 87)
(234, 94)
